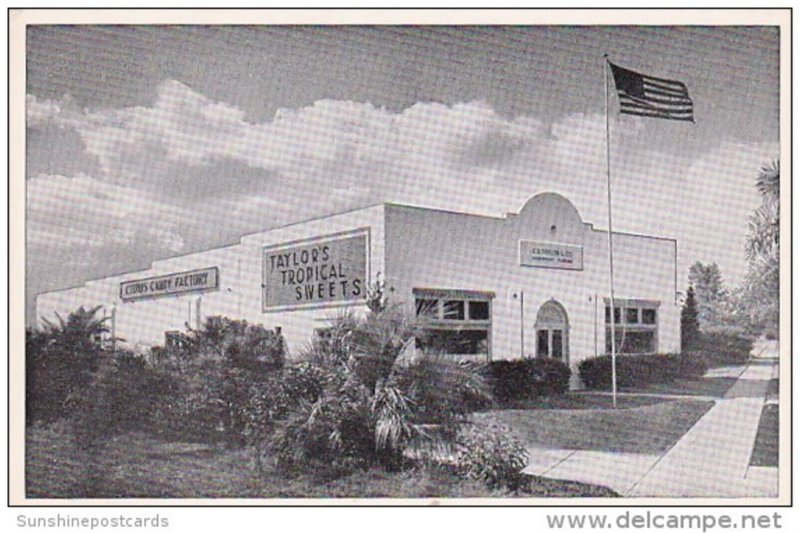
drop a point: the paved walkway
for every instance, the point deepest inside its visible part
(710, 460)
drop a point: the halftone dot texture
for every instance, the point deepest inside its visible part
(147, 142)
(243, 128)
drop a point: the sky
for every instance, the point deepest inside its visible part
(145, 142)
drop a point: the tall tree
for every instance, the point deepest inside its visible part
(690, 327)
(709, 292)
(762, 283)
(61, 360)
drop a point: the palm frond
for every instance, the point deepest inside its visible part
(768, 182)
(392, 411)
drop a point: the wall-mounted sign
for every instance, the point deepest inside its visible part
(321, 272)
(170, 284)
(550, 255)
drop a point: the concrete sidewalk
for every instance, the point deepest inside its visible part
(711, 460)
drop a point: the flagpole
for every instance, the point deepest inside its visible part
(610, 246)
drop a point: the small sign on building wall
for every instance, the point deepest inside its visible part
(326, 271)
(170, 284)
(550, 255)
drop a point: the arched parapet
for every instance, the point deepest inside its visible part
(549, 216)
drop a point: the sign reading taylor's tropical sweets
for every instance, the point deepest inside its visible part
(328, 271)
(550, 255)
(169, 284)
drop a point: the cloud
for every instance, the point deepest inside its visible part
(81, 211)
(187, 170)
(38, 112)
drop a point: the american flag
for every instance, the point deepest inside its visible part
(647, 96)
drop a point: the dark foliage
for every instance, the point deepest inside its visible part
(331, 436)
(123, 396)
(220, 368)
(722, 349)
(690, 326)
(382, 404)
(61, 360)
(528, 378)
(640, 370)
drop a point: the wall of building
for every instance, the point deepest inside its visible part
(413, 248)
(444, 250)
(142, 323)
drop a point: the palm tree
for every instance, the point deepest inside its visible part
(402, 402)
(764, 238)
(762, 283)
(60, 360)
(81, 330)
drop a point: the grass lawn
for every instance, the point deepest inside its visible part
(581, 400)
(765, 448)
(715, 387)
(136, 465)
(647, 429)
(773, 387)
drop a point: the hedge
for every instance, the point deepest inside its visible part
(527, 378)
(640, 370)
(721, 349)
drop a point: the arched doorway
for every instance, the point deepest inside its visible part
(552, 331)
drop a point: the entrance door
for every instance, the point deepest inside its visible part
(552, 331)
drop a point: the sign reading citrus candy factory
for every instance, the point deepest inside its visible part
(550, 255)
(326, 271)
(170, 284)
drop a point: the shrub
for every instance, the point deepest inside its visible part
(528, 378)
(722, 349)
(693, 364)
(122, 397)
(595, 372)
(220, 368)
(274, 398)
(60, 361)
(440, 389)
(331, 436)
(489, 453)
(639, 370)
(378, 404)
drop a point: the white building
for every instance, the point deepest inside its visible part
(532, 284)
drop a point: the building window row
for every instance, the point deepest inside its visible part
(638, 332)
(454, 322)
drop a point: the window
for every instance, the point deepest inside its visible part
(478, 310)
(617, 314)
(428, 308)
(471, 342)
(552, 331)
(453, 310)
(639, 333)
(454, 322)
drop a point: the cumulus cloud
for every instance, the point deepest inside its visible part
(81, 211)
(188, 158)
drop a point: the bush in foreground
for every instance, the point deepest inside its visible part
(383, 404)
(522, 379)
(491, 454)
(219, 369)
(61, 359)
(122, 397)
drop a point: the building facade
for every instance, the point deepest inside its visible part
(530, 284)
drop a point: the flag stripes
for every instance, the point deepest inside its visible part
(648, 96)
